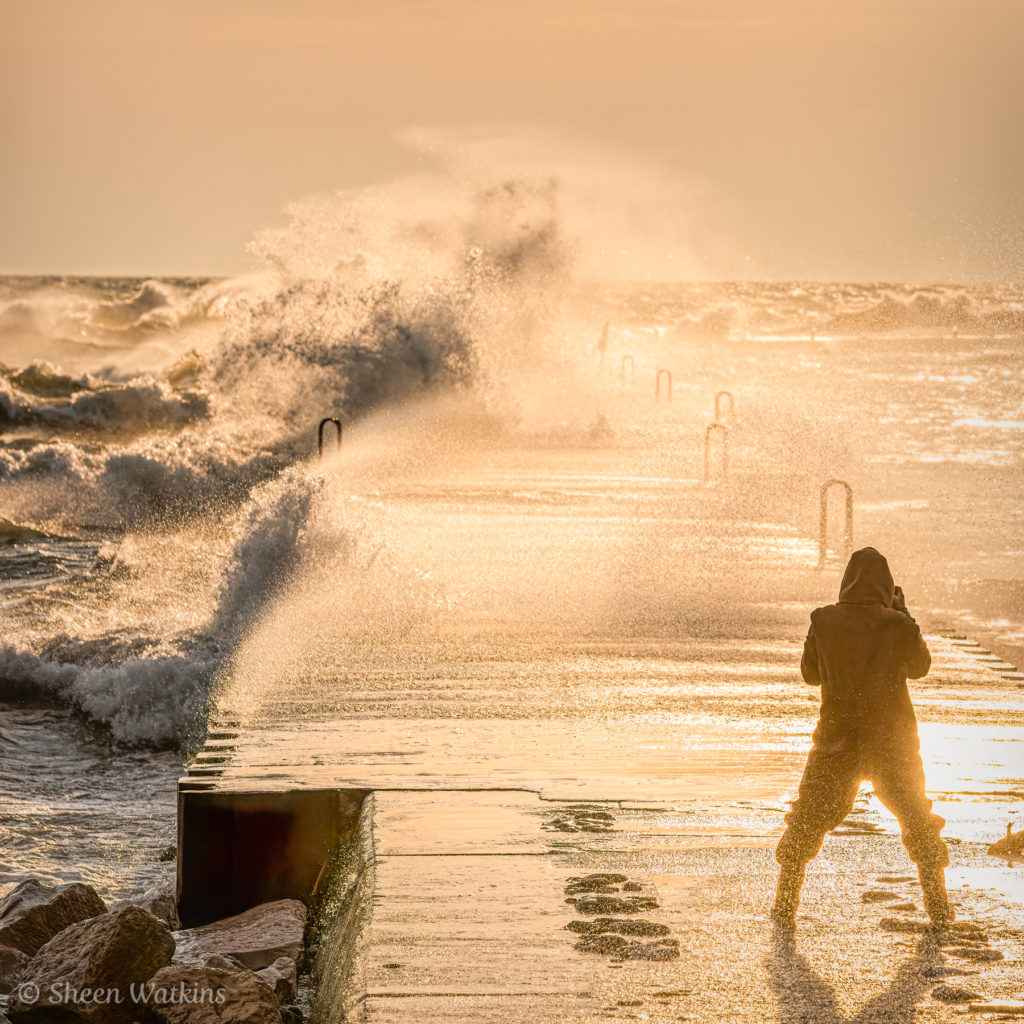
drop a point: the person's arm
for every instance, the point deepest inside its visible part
(918, 657)
(809, 660)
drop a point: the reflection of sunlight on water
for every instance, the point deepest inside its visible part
(975, 776)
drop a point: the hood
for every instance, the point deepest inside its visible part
(867, 579)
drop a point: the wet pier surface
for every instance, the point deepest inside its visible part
(594, 670)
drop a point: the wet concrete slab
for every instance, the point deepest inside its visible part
(461, 932)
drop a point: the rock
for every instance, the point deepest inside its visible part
(282, 977)
(631, 887)
(618, 925)
(1007, 1007)
(615, 904)
(163, 907)
(215, 996)
(291, 1015)
(1011, 845)
(162, 902)
(33, 913)
(892, 879)
(256, 937)
(649, 951)
(979, 954)
(952, 994)
(601, 943)
(104, 956)
(12, 963)
(878, 896)
(906, 907)
(224, 963)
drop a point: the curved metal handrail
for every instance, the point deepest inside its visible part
(826, 488)
(320, 435)
(667, 374)
(724, 431)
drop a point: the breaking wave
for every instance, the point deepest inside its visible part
(152, 691)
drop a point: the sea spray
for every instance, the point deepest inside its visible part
(152, 691)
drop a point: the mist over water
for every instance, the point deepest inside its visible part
(170, 540)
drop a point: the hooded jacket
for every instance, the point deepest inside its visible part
(861, 651)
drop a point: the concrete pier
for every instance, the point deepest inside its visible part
(506, 756)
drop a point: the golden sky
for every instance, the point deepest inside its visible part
(838, 140)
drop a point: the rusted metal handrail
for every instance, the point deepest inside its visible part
(667, 375)
(632, 367)
(826, 487)
(320, 434)
(718, 405)
(716, 428)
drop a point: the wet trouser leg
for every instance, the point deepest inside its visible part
(897, 775)
(828, 789)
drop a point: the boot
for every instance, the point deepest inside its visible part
(933, 888)
(787, 894)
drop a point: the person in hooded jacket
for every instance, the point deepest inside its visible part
(861, 651)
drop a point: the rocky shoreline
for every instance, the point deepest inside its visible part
(66, 956)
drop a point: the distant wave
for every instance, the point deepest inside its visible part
(83, 312)
(955, 311)
(131, 407)
(118, 487)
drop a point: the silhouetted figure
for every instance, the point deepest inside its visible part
(861, 651)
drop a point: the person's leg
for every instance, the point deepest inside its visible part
(898, 778)
(828, 789)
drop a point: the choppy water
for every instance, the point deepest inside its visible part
(156, 495)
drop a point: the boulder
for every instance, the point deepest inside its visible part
(283, 977)
(161, 901)
(210, 994)
(257, 937)
(32, 913)
(87, 972)
(12, 963)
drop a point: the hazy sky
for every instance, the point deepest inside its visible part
(791, 139)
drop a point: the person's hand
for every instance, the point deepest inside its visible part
(899, 603)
